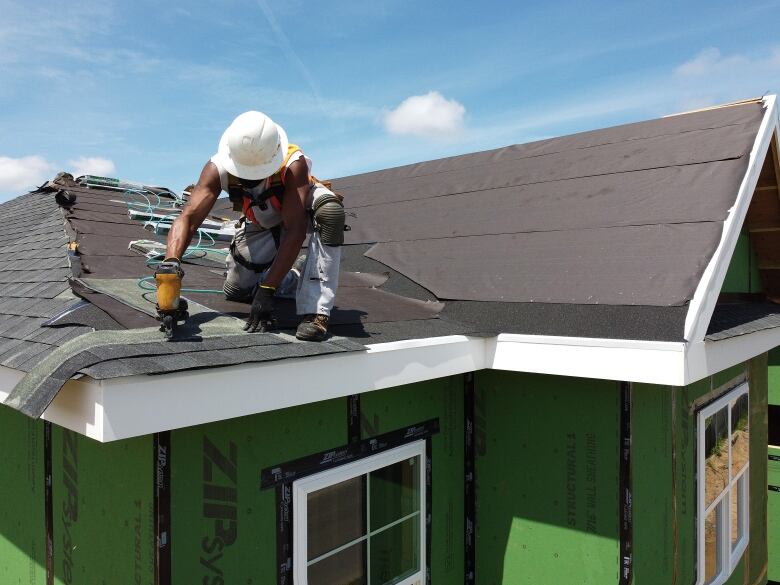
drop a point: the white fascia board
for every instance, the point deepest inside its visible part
(78, 406)
(710, 357)
(702, 305)
(8, 379)
(607, 359)
(108, 410)
(140, 405)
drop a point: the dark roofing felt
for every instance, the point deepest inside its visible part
(623, 216)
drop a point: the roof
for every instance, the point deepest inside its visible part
(34, 271)
(616, 234)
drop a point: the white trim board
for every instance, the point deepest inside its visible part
(702, 305)
(108, 410)
(8, 379)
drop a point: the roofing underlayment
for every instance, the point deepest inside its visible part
(605, 234)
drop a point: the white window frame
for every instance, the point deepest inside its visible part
(730, 559)
(303, 487)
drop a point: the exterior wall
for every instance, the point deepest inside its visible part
(547, 468)
(664, 477)
(223, 527)
(386, 410)
(237, 544)
(102, 498)
(547, 479)
(22, 515)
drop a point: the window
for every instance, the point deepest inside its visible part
(362, 523)
(723, 463)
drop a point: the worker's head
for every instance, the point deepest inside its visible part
(253, 146)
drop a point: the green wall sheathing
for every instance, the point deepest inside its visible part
(386, 410)
(774, 376)
(103, 510)
(547, 479)
(223, 527)
(655, 425)
(664, 477)
(22, 529)
(773, 517)
(742, 275)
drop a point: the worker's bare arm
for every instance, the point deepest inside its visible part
(202, 199)
(294, 219)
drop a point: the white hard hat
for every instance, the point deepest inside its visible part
(253, 146)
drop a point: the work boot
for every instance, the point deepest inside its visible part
(312, 328)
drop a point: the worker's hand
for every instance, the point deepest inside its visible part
(261, 313)
(168, 277)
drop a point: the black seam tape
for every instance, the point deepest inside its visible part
(626, 498)
(353, 418)
(284, 534)
(48, 502)
(470, 503)
(311, 464)
(162, 508)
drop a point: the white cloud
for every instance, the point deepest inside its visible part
(428, 116)
(711, 77)
(20, 174)
(91, 165)
(702, 64)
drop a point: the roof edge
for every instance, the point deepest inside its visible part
(109, 410)
(703, 302)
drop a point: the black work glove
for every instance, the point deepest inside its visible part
(261, 313)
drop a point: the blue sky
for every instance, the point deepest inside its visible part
(143, 90)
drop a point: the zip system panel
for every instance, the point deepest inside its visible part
(23, 556)
(103, 505)
(548, 453)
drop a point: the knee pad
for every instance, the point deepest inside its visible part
(329, 219)
(235, 293)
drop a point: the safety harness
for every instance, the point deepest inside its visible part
(273, 195)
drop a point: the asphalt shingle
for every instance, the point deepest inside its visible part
(34, 271)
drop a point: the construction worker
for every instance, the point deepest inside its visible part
(270, 180)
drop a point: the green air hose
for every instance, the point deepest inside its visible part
(199, 250)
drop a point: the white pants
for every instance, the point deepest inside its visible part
(314, 288)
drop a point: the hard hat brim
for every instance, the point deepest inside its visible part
(248, 172)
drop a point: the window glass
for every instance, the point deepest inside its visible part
(712, 557)
(347, 567)
(737, 511)
(740, 435)
(395, 492)
(395, 552)
(336, 516)
(367, 530)
(723, 463)
(716, 448)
